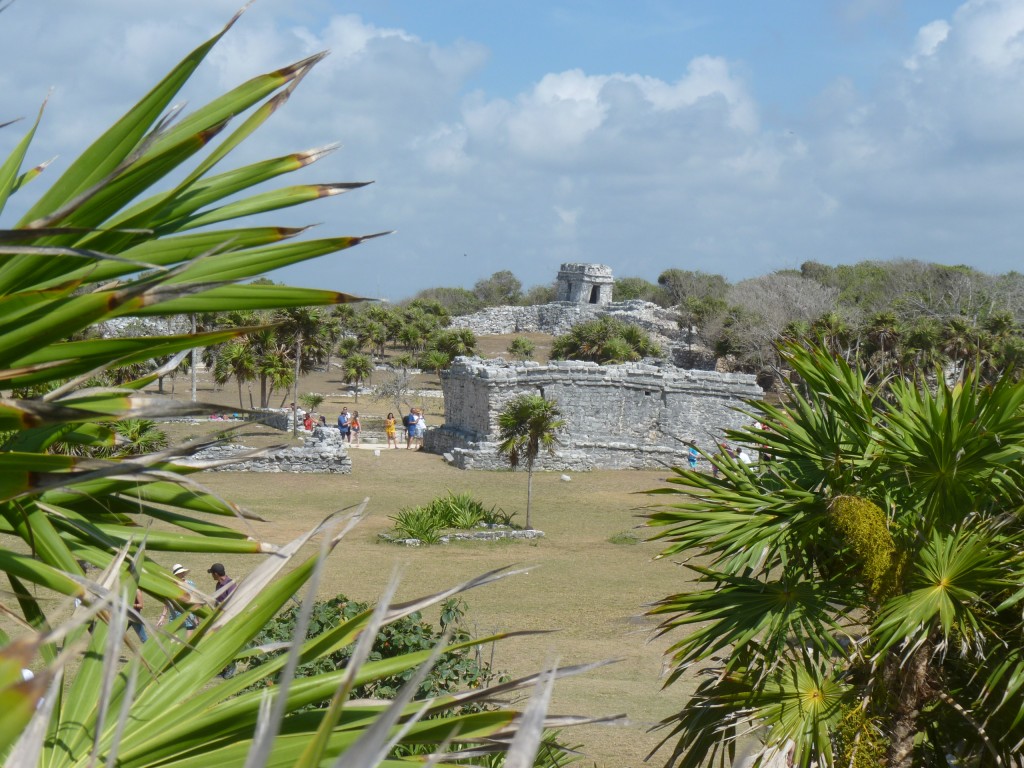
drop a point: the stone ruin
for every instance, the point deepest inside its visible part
(584, 293)
(323, 451)
(585, 284)
(631, 416)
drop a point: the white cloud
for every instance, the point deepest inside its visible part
(929, 38)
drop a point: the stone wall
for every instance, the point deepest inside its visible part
(558, 317)
(617, 417)
(323, 452)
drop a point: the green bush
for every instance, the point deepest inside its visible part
(459, 511)
(456, 670)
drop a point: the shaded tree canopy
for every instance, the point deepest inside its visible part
(500, 289)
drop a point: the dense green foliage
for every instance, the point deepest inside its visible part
(606, 341)
(459, 669)
(860, 588)
(521, 348)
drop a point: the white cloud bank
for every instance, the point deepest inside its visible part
(620, 168)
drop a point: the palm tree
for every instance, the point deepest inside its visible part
(434, 360)
(882, 334)
(137, 437)
(961, 340)
(235, 360)
(858, 598)
(527, 424)
(357, 368)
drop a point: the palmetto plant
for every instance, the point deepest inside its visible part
(860, 591)
(605, 340)
(107, 241)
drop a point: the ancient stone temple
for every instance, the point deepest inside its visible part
(635, 415)
(585, 284)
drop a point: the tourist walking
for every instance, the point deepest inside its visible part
(173, 610)
(389, 431)
(420, 428)
(692, 455)
(225, 586)
(345, 425)
(135, 620)
(355, 427)
(225, 589)
(409, 422)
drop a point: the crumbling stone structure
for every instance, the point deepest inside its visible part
(323, 451)
(559, 317)
(585, 284)
(630, 416)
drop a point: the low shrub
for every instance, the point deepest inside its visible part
(626, 537)
(459, 511)
(455, 670)
(418, 523)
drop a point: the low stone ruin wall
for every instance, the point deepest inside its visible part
(323, 452)
(558, 317)
(617, 417)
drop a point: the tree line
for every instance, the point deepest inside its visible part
(900, 316)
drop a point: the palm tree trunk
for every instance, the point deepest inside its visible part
(908, 683)
(241, 405)
(529, 493)
(295, 386)
(192, 364)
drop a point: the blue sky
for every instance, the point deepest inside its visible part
(731, 136)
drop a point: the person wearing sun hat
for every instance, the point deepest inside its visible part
(173, 610)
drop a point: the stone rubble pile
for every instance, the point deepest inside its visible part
(323, 452)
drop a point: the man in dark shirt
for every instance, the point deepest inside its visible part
(225, 589)
(225, 586)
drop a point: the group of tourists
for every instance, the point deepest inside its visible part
(224, 588)
(414, 425)
(349, 426)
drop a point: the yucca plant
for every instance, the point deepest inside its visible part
(858, 597)
(139, 226)
(418, 523)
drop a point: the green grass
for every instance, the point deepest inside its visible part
(625, 537)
